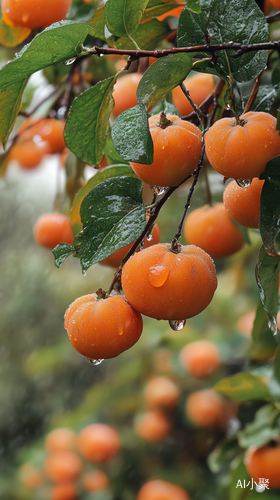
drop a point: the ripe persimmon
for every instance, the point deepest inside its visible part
(29, 154)
(241, 151)
(275, 3)
(30, 477)
(264, 462)
(243, 203)
(115, 259)
(199, 85)
(64, 491)
(34, 13)
(200, 358)
(52, 229)
(61, 439)
(205, 408)
(211, 228)
(102, 328)
(95, 480)
(99, 443)
(152, 426)
(161, 393)
(165, 284)
(157, 489)
(125, 92)
(173, 12)
(48, 129)
(63, 466)
(177, 147)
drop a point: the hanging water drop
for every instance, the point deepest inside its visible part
(158, 190)
(69, 61)
(84, 272)
(272, 325)
(177, 324)
(228, 106)
(244, 183)
(150, 237)
(95, 362)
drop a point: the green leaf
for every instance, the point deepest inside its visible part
(147, 36)
(267, 275)
(265, 427)
(111, 154)
(263, 341)
(194, 6)
(124, 16)
(4, 161)
(270, 206)
(113, 215)
(63, 40)
(224, 452)
(98, 23)
(243, 387)
(61, 252)
(157, 8)
(88, 122)
(105, 173)
(162, 77)
(166, 107)
(10, 102)
(240, 21)
(239, 478)
(131, 136)
(276, 366)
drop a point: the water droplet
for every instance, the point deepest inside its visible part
(120, 332)
(177, 324)
(84, 272)
(95, 362)
(244, 183)
(61, 111)
(150, 237)
(158, 190)
(69, 61)
(76, 340)
(228, 106)
(272, 325)
(260, 488)
(158, 275)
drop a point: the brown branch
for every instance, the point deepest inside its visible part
(253, 94)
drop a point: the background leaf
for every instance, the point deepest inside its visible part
(131, 136)
(10, 102)
(264, 428)
(113, 215)
(270, 205)
(147, 36)
(263, 341)
(267, 274)
(124, 16)
(243, 386)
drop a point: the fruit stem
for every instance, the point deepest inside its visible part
(196, 109)
(164, 122)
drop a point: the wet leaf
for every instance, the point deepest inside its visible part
(162, 77)
(263, 341)
(64, 40)
(240, 21)
(61, 252)
(105, 173)
(166, 107)
(267, 274)
(223, 453)
(243, 386)
(12, 36)
(131, 136)
(111, 154)
(194, 6)
(10, 102)
(265, 426)
(98, 23)
(113, 215)
(147, 36)
(124, 16)
(88, 122)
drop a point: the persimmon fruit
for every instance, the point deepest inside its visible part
(241, 151)
(29, 154)
(199, 85)
(63, 466)
(48, 129)
(200, 358)
(164, 284)
(102, 328)
(35, 13)
(115, 259)
(205, 408)
(157, 489)
(264, 463)
(243, 203)
(177, 147)
(152, 426)
(30, 477)
(52, 229)
(61, 439)
(64, 491)
(125, 92)
(99, 443)
(211, 228)
(95, 480)
(161, 393)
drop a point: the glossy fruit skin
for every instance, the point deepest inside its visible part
(152, 426)
(199, 85)
(52, 229)
(176, 152)
(242, 151)
(264, 463)
(243, 203)
(167, 285)
(115, 259)
(157, 489)
(61, 439)
(35, 13)
(99, 443)
(211, 228)
(102, 328)
(205, 408)
(200, 358)
(125, 92)
(63, 466)
(161, 393)
(64, 491)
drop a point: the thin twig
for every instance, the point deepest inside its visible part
(253, 94)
